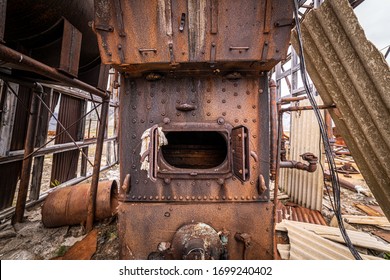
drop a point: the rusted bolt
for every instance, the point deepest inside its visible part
(133, 197)
(133, 166)
(193, 113)
(163, 114)
(193, 183)
(211, 198)
(163, 197)
(224, 89)
(109, 54)
(205, 197)
(254, 197)
(245, 120)
(150, 197)
(224, 114)
(156, 197)
(134, 120)
(134, 107)
(178, 114)
(221, 121)
(148, 107)
(254, 120)
(144, 197)
(220, 181)
(134, 136)
(254, 136)
(163, 101)
(230, 198)
(167, 180)
(239, 106)
(208, 114)
(167, 214)
(167, 120)
(261, 91)
(137, 181)
(151, 121)
(193, 198)
(224, 197)
(217, 197)
(248, 92)
(187, 197)
(145, 181)
(252, 182)
(248, 197)
(178, 101)
(142, 121)
(236, 120)
(199, 198)
(235, 94)
(119, 47)
(175, 197)
(208, 100)
(139, 197)
(223, 101)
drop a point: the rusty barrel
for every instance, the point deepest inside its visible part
(68, 205)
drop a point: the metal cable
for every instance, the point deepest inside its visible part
(324, 136)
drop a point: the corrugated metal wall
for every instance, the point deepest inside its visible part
(350, 72)
(65, 164)
(304, 188)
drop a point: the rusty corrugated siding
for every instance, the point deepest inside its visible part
(350, 72)
(65, 164)
(298, 214)
(303, 187)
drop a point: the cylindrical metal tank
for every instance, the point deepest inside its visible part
(68, 205)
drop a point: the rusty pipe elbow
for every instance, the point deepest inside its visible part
(310, 167)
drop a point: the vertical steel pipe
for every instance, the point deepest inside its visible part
(274, 127)
(96, 167)
(28, 149)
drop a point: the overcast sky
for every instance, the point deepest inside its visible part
(374, 16)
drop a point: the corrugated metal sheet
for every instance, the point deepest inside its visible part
(350, 72)
(307, 245)
(299, 214)
(65, 164)
(303, 187)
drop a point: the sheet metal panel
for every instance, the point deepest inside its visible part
(350, 72)
(304, 188)
(307, 245)
(65, 164)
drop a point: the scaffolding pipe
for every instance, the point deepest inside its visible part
(96, 167)
(28, 149)
(11, 56)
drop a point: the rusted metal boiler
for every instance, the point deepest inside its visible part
(194, 123)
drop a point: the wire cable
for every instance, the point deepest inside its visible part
(326, 142)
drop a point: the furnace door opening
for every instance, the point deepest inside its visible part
(195, 149)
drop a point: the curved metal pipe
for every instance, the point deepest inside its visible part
(310, 167)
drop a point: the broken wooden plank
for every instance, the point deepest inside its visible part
(368, 210)
(367, 220)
